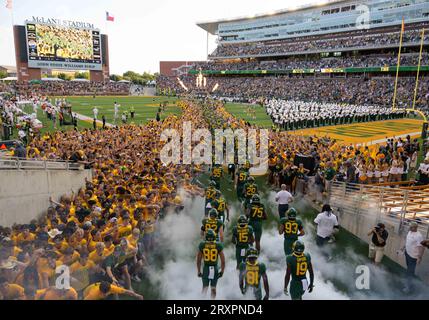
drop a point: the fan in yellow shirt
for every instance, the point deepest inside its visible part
(81, 271)
(125, 228)
(109, 246)
(46, 267)
(97, 256)
(134, 238)
(10, 291)
(52, 293)
(94, 238)
(70, 256)
(101, 290)
(25, 236)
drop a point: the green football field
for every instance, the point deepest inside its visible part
(145, 110)
(257, 114)
(145, 107)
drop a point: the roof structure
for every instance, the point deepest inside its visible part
(212, 26)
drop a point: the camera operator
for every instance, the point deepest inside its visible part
(424, 172)
(378, 242)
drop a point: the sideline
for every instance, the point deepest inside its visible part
(89, 119)
(379, 141)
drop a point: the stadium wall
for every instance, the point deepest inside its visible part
(169, 68)
(24, 194)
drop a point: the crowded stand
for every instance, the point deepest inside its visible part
(104, 232)
(365, 61)
(77, 88)
(377, 91)
(12, 115)
(340, 41)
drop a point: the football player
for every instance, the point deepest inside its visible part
(249, 190)
(219, 203)
(217, 173)
(210, 251)
(251, 273)
(298, 263)
(213, 223)
(242, 175)
(242, 237)
(291, 228)
(210, 193)
(257, 214)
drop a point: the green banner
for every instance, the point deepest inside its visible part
(324, 70)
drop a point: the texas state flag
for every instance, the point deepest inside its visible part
(109, 17)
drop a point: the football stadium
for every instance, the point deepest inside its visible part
(289, 163)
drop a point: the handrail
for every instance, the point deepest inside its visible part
(37, 164)
(399, 206)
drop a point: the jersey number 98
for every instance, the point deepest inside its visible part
(210, 254)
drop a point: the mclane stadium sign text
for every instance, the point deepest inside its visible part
(63, 23)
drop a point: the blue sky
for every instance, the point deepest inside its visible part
(144, 32)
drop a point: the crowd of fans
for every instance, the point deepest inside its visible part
(354, 39)
(65, 88)
(13, 116)
(104, 233)
(394, 161)
(317, 63)
(292, 115)
(357, 91)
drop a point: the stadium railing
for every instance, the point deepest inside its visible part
(398, 206)
(33, 164)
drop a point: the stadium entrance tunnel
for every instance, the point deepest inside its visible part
(172, 273)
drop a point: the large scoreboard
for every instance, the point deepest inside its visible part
(51, 46)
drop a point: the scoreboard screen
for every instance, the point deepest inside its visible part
(61, 47)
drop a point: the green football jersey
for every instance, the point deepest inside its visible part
(298, 265)
(214, 224)
(250, 189)
(241, 177)
(257, 212)
(253, 273)
(242, 236)
(291, 228)
(210, 251)
(219, 205)
(217, 172)
(210, 193)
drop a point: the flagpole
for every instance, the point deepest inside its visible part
(398, 64)
(9, 5)
(105, 22)
(418, 69)
(12, 16)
